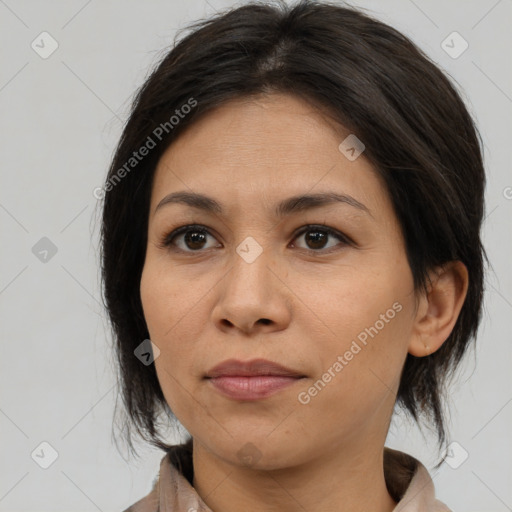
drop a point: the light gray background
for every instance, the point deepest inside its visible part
(60, 120)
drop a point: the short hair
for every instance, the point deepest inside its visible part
(371, 79)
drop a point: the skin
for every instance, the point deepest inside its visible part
(203, 305)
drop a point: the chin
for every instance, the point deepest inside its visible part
(259, 452)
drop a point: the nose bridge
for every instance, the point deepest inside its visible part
(251, 268)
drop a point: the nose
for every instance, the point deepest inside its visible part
(253, 297)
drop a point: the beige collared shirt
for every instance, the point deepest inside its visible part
(408, 482)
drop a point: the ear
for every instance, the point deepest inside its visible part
(439, 309)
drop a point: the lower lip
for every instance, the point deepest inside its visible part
(251, 388)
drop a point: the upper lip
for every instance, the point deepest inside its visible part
(234, 367)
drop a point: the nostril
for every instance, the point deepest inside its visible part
(265, 321)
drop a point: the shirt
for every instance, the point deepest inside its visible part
(407, 480)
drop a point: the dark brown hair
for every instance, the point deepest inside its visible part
(371, 79)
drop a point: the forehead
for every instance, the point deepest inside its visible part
(267, 147)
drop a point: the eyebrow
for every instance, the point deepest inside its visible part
(286, 207)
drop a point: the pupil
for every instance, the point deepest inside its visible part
(315, 239)
(194, 237)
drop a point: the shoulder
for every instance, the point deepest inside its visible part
(172, 486)
(410, 484)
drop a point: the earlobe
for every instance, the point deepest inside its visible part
(439, 309)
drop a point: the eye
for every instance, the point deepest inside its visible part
(317, 236)
(192, 238)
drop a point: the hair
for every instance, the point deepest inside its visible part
(371, 79)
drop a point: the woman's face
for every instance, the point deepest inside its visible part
(338, 308)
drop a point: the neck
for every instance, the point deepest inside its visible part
(348, 479)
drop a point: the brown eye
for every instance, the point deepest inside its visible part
(316, 237)
(194, 238)
(187, 238)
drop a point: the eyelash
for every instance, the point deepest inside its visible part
(167, 240)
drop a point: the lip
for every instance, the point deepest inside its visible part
(252, 368)
(251, 380)
(251, 388)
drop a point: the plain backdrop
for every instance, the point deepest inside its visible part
(61, 117)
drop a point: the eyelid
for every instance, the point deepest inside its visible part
(166, 241)
(324, 227)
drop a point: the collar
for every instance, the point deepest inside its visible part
(407, 479)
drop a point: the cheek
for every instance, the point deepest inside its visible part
(167, 300)
(360, 377)
(366, 326)
(171, 311)
(357, 308)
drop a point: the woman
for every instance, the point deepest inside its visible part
(290, 247)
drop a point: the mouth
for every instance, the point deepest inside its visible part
(252, 368)
(251, 380)
(251, 388)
